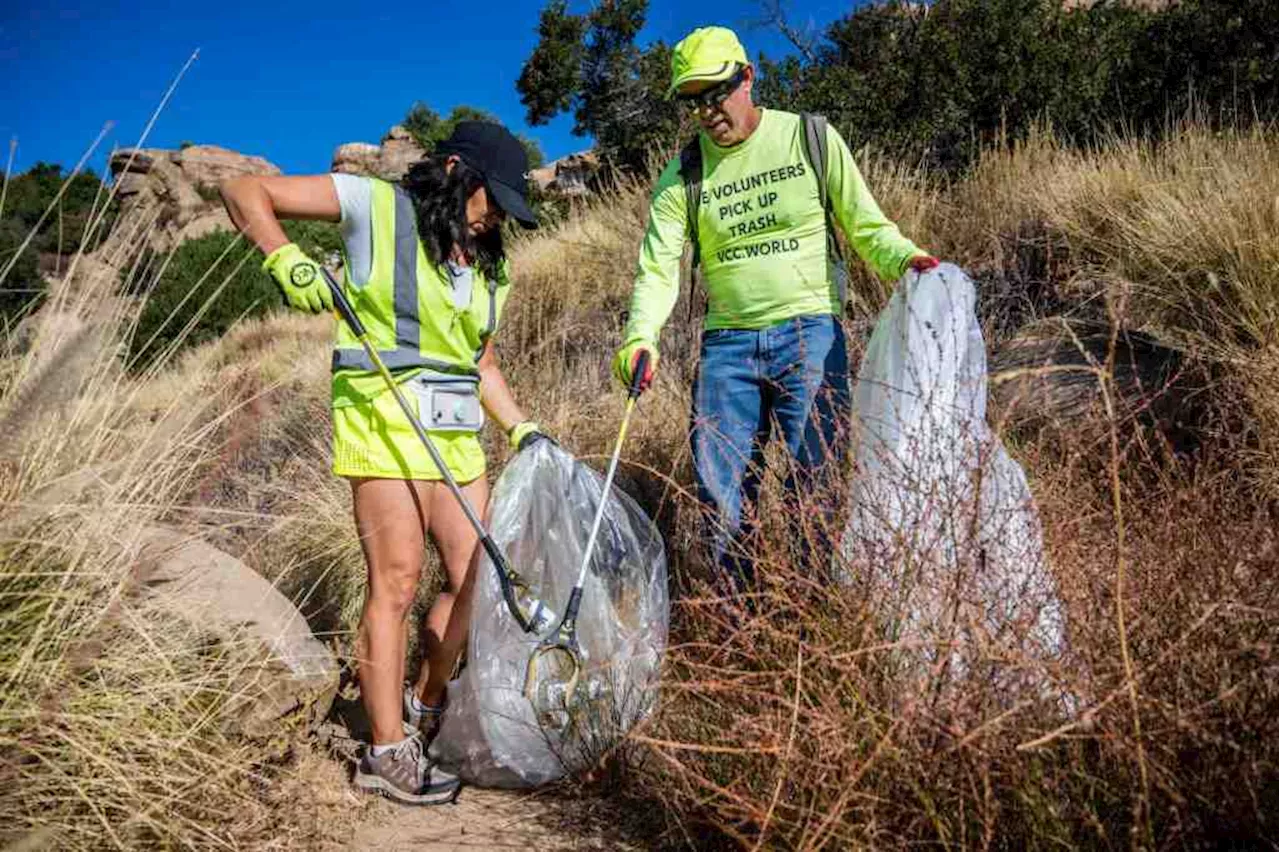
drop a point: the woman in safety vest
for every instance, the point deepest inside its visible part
(425, 271)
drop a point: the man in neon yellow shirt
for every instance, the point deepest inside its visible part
(773, 351)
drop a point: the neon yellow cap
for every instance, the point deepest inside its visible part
(707, 53)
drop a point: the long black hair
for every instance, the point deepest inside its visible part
(439, 199)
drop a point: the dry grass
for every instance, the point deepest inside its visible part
(795, 727)
(117, 722)
(790, 727)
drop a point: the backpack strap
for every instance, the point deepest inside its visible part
(815, 148)
(691, 176)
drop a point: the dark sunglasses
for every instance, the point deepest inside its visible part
(714, 95)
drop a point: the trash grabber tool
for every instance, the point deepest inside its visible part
(561, 645)
(514, 588)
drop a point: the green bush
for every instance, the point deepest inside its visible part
(428, 129)
(939, 81)
(23, 288)
(934, 81)
(29, 195)
(26, 198)
(208, 285)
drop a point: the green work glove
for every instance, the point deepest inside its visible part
(300, 278)
(525, 434)
(624, 363)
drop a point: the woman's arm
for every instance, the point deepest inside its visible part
(495, 396)
(256, 204)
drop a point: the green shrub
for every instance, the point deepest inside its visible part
(23, 288)
(428, 129)
(62, 232)
(29, 195)
(934, 82)
(209, 284)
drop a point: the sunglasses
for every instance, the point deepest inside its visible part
(715, 95)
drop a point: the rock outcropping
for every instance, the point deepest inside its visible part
(172, 195)
(568, 176)
(179, 188)
(389, 160)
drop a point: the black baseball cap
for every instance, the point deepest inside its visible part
(497, 154)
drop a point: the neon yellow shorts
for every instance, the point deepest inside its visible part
(374, 439)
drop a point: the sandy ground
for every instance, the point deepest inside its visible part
(545, 819)
(489, 819)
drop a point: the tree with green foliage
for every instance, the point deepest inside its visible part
(23, 287)
(29, 195)
(81, 219)
(935, 81)
(590, 63)
(428, 129)
(941, 80)
(549, 77)
(1219, 55)
(210, 283)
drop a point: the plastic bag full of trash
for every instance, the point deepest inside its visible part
(943, 534)
(541, 513)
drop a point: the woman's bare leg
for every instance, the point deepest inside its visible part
(445, 628)
(391, 517)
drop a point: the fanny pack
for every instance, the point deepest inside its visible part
(448, 403)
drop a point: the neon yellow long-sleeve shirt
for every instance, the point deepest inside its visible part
(762, 232)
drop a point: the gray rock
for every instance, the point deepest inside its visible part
(388, 161)
(132, 160)
(567, 176)
(292, 673)
(209, 164)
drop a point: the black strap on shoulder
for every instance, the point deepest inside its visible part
(815, 148)
(691, 176)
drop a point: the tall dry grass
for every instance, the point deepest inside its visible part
(118, 719)
(793, 726)
(784, 727)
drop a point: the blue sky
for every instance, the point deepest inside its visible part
(290, 81)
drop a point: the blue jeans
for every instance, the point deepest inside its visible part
(792, 377)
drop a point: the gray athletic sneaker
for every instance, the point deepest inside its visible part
(406, 775)
(426, 722)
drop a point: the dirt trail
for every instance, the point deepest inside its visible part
(548, 819)
(490, 819)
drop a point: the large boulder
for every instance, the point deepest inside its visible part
(207, 165)
(399, 151)
(1046, 376)
(356, 158)
(288, 673)
(148, 177)
(178, 189)
(197, 164)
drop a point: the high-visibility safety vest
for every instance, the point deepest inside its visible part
(408, 307)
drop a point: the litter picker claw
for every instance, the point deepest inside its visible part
(559, 652)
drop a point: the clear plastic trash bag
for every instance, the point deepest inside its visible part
(540, 515)
(944, 536)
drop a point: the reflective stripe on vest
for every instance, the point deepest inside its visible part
(407, 353)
